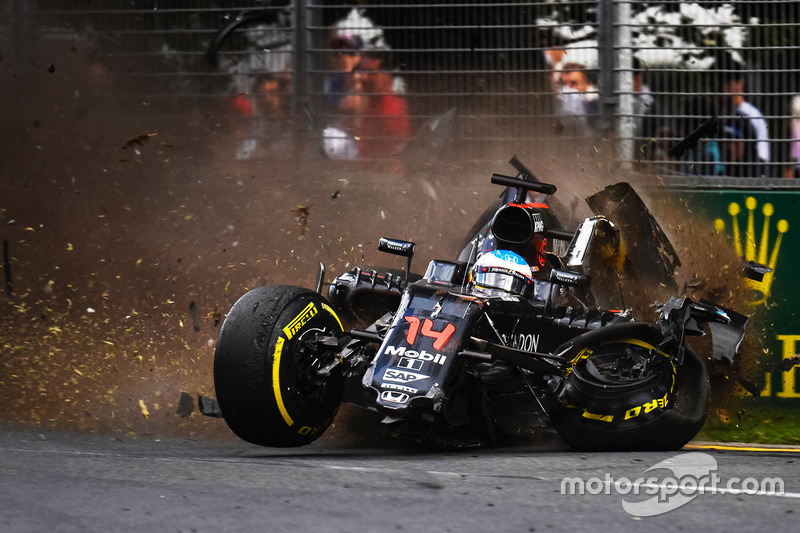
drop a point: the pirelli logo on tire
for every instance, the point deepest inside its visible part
(300, 320)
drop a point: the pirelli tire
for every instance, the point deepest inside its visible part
(264, 367)
(663, 408)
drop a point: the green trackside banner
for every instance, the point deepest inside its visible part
(764, 226)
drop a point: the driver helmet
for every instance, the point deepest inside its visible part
(502, 270)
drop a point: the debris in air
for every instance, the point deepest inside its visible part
(750, 387)
(193, 312)
(789, 363)
(301, 214)
(139, 140)
(185, 405)
(209, 406)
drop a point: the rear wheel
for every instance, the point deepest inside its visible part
(622, 393)
(266, 366)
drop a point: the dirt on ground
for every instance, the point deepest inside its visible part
(129, 234)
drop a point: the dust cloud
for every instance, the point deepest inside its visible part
(131, 233)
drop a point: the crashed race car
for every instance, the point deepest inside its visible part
(509, 337)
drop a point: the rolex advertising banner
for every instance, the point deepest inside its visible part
(764, 226)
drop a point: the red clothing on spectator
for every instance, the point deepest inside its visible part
(385, 128)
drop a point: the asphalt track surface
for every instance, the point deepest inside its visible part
(78, 482)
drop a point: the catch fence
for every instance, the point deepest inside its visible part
(473, 78)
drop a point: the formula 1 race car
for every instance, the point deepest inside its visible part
(506, 338)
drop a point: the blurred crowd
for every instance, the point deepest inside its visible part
(365, 114)
(367, 104)
(741, 146)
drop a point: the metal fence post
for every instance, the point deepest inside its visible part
(626, 122)
(606, 63)
(300, 83)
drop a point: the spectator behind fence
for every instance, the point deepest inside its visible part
(272, 98)
(577, 102)
(648, 132)
(382, 123)
(379, 126)
(744, 130)
(793, 170)
(706, 158)
(338, 140)
(265, 110)
(346, 55)
(554, 59)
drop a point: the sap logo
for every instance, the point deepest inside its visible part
(394, 397)
(399, 376)
(526, 342)
(402, 351)
(403, 388)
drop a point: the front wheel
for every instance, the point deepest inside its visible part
(271, 347)
(622, 393)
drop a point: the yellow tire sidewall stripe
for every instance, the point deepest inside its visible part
(276, 370)
(586, 352)
(276, 381)
(636, 342)
(333, 313)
